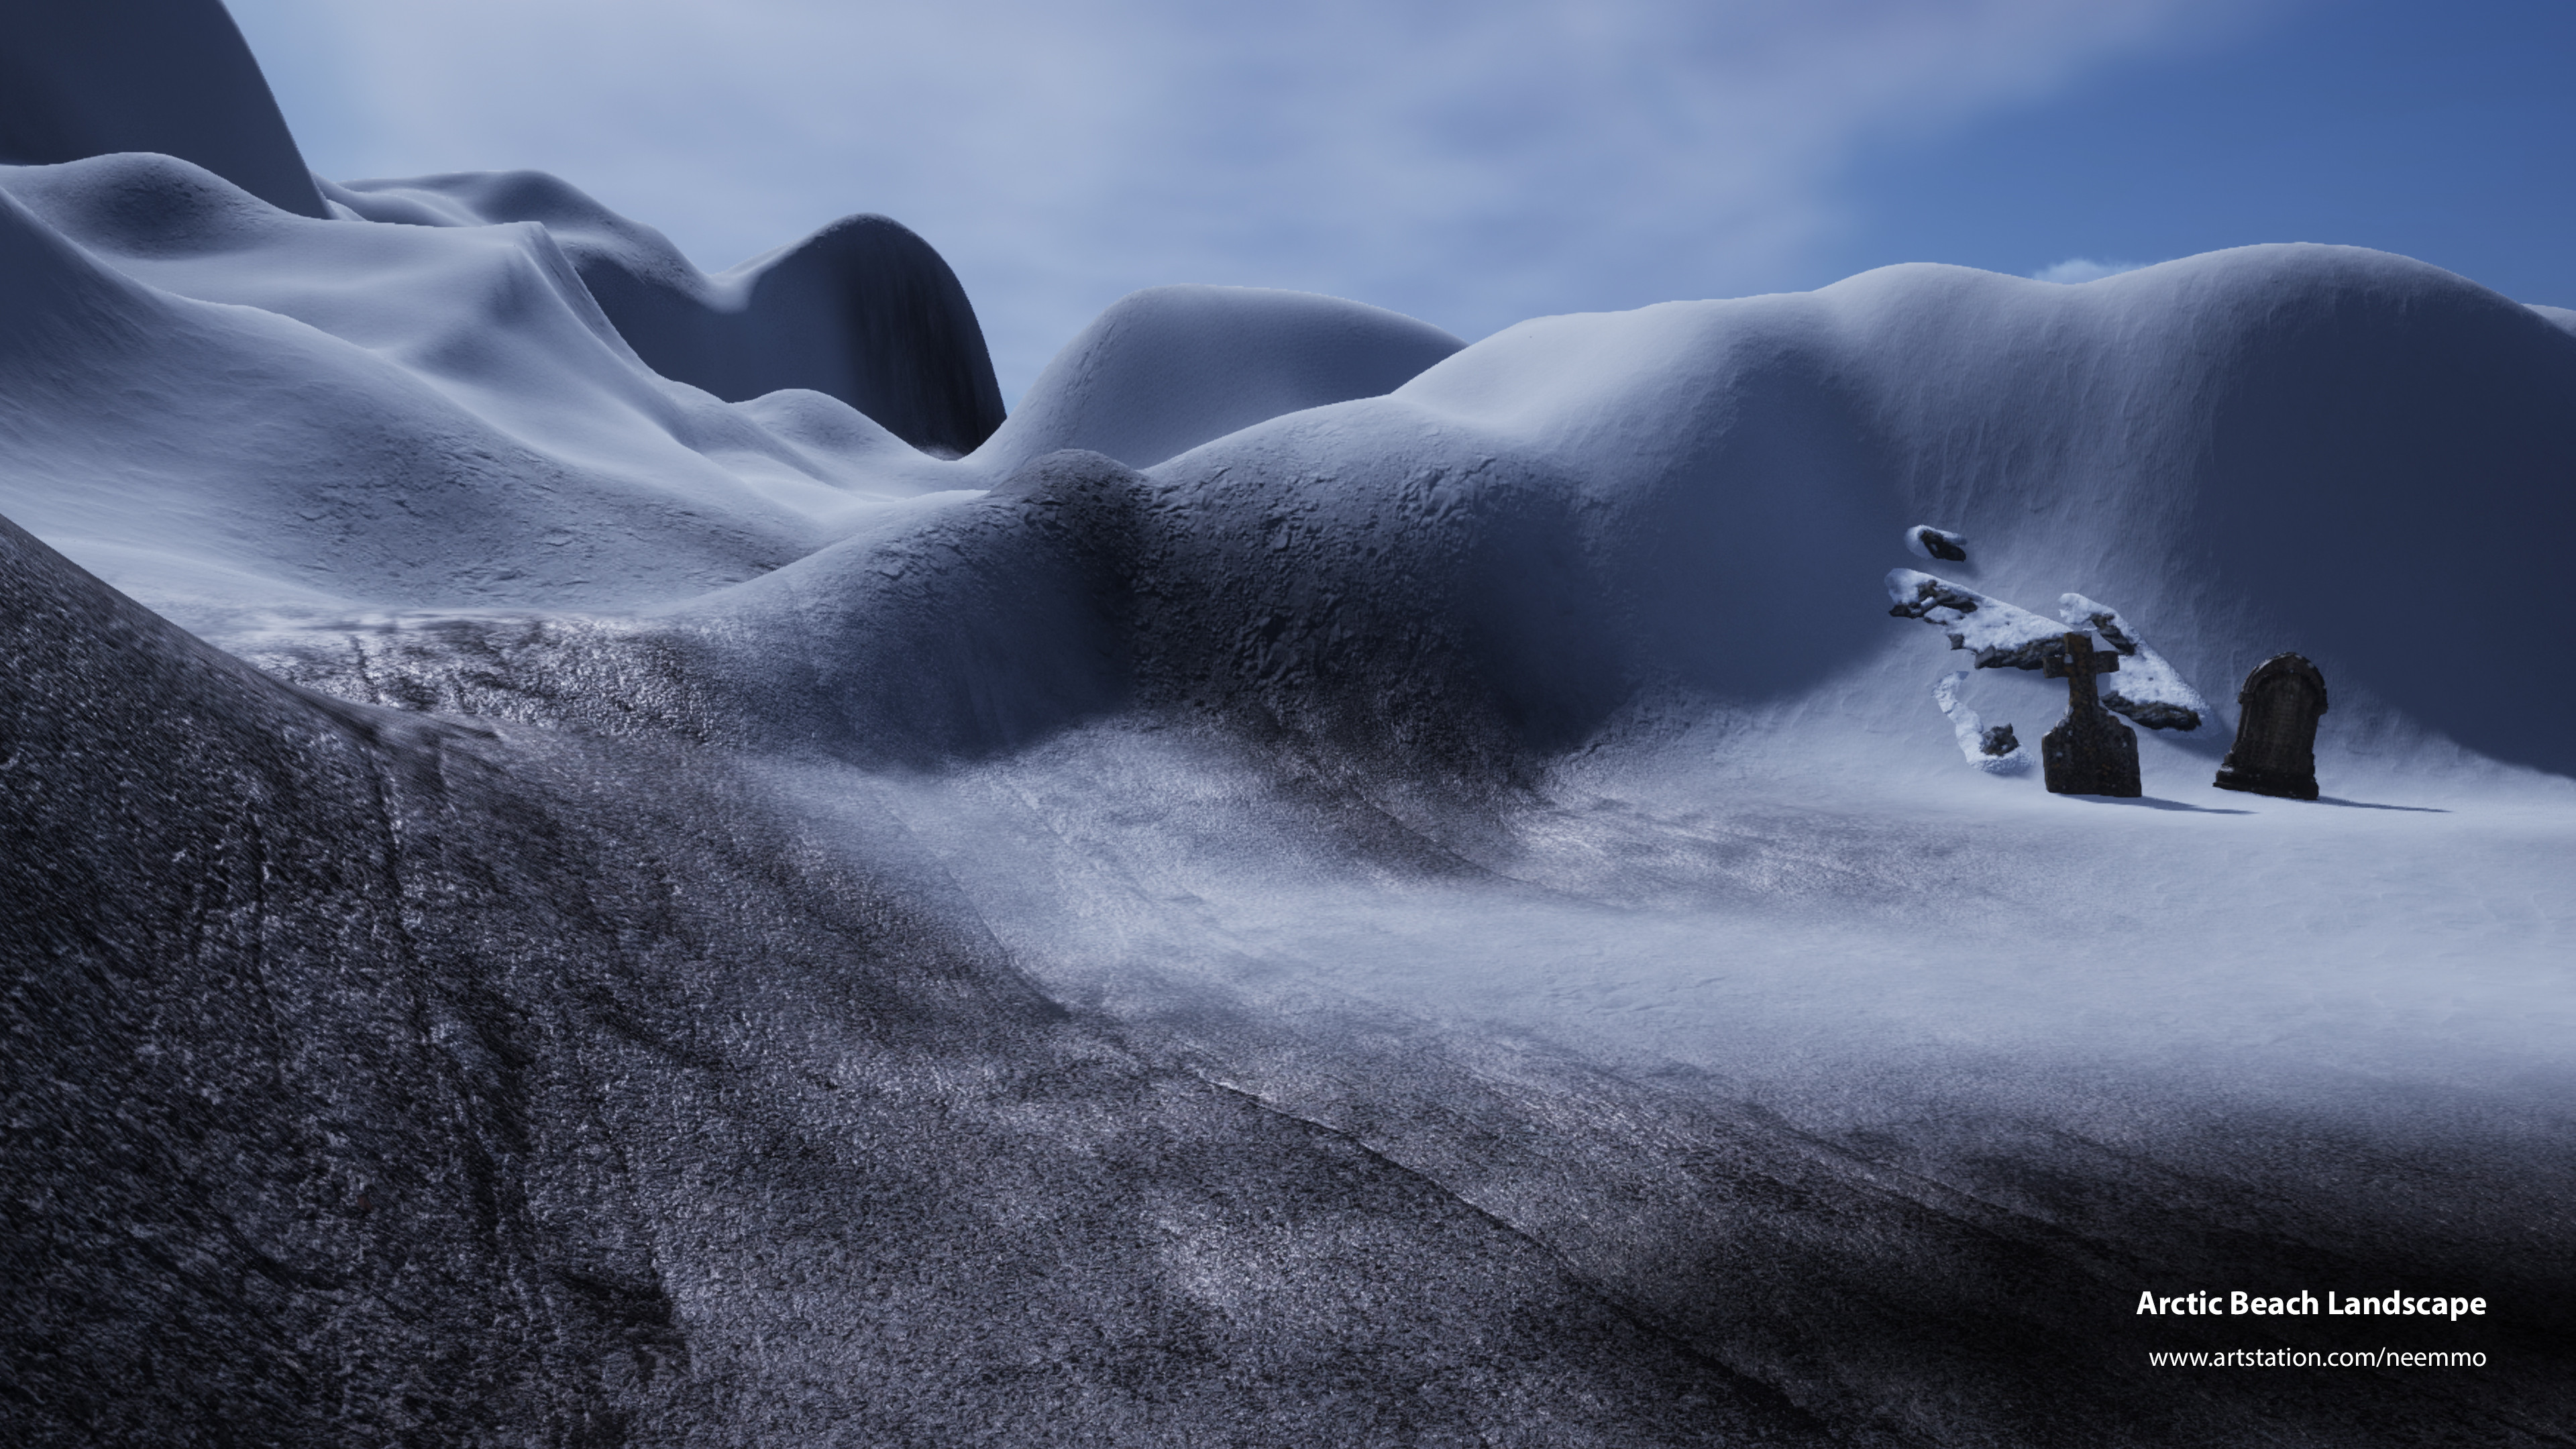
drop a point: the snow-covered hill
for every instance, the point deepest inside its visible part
(1317, 883)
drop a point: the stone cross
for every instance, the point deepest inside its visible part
(2276, 730)
(2089, 753)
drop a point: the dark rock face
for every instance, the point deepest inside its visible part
(2276, 730)
(172, 76)
(2089, 752)
(378, 1079)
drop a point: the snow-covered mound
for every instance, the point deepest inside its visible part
(862, 310)
(1535, 530)
(2216, 443)
(232, 411)
(171, 76)
(1173, 367)
(227, 406)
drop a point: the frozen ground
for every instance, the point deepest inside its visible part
(1792, 928)
(1318, 884)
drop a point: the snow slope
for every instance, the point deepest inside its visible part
(446, 419)
(862, 310)
(1492, 769)
(1168, 369)
(170, 76)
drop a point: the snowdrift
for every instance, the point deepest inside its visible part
(862, 310)
(170, 76)
(1318, 882)
(1168, 369)
(359, 1047)
(1695, 496)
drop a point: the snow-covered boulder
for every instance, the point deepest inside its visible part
(2145, 687)
(1938, 544)
(1991, 748)
(1998, 635)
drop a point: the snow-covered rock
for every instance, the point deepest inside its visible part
(1998, 635)
(1994, 749)
(2144, 687)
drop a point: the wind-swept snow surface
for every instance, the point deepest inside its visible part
(1317, 885)
(170, 76)
(862, 310)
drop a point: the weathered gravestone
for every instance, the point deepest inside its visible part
(2276, 730)
(2089, 753)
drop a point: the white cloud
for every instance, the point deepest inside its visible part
(2083, 269)
(1471, 163)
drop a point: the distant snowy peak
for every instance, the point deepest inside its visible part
(222, 406)
(98, 77)
(1169, 368)
(1940, 544)
(863, 310)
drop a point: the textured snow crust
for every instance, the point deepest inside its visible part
(1301, 800)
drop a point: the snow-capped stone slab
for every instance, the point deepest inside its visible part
(2000, 635)
(2146, 689)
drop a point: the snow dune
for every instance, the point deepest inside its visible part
(168, 76)
(401, 416)
(862, 310)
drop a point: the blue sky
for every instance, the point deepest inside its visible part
(2446, 133)
(1477, 163)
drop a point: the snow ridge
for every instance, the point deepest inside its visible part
(863, 310)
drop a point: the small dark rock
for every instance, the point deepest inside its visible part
(1929, 542)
